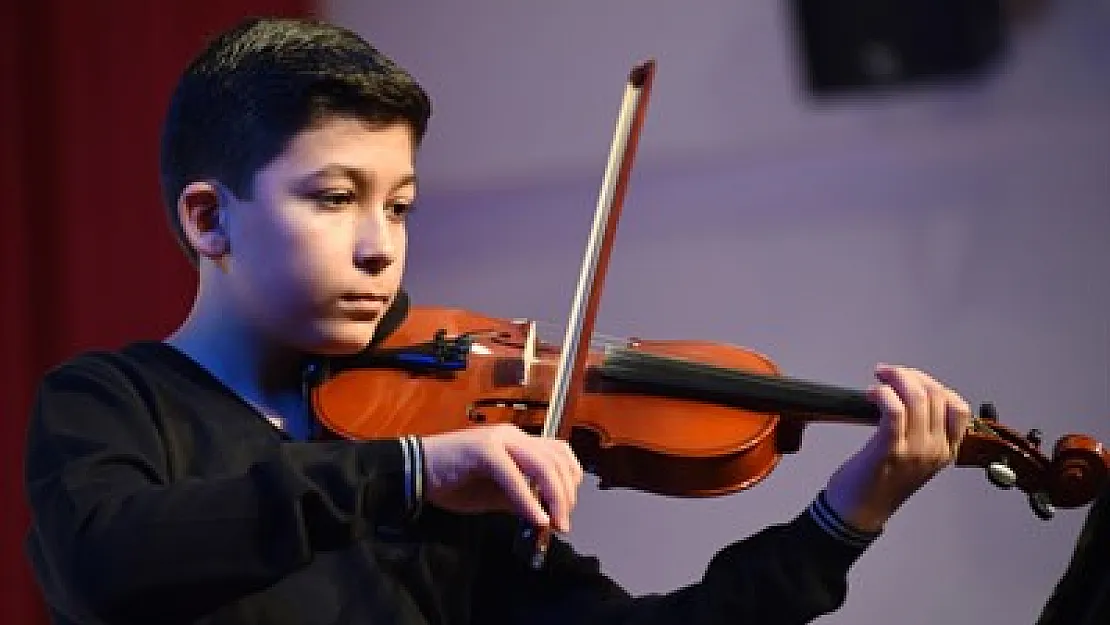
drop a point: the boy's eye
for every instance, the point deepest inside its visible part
(399, 210)
(334, 199)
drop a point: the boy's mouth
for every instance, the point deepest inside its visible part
(368, 297)
(362, 306)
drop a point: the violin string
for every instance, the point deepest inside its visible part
(645, 363)
(758, 391)
(598, 340)
(618, 345)
(781, 382)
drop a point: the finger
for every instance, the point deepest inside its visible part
(947, 410)
(577, 472)
(957, 419)
(557, 460)
(893, 420)
(504, 469)
(914, 398)
(538, 464)
(552, 462)
(574, 470)
(569, 471)
(938, 416)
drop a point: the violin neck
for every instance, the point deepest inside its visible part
(790, 397)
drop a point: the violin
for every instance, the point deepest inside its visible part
(679, 418)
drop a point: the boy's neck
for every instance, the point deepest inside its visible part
(264, 374)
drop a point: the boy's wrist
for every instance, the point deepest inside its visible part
(849, 531)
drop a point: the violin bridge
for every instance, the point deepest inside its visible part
(528, 357)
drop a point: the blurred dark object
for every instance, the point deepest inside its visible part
(870, 45)
(1082, 596)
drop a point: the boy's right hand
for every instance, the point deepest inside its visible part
(492, 469)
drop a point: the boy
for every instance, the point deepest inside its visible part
(178, 481)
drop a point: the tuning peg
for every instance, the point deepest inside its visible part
(1042, 506)
(988, 412)
(1034, 437)
(1001, 475)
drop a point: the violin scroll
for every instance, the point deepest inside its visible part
(1074, 475)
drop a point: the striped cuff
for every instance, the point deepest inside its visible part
(831, 522)
(413, 452)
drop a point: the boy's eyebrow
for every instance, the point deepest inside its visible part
(359, 176)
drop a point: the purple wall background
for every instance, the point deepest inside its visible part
(963, 231)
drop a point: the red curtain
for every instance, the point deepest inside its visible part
(86, 260)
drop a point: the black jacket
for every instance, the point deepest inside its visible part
(159, 497)
(1082, 596)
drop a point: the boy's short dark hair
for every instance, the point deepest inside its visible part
(242, 99)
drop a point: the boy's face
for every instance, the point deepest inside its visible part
(316, 258)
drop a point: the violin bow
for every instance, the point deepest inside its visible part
(570, 374)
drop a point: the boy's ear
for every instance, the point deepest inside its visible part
(201, 213)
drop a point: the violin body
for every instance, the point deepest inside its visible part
(647, 441)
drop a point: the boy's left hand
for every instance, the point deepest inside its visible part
(920, 431)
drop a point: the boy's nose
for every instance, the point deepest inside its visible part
(375, 249)
(373, 263)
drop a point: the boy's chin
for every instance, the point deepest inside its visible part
(346, 340)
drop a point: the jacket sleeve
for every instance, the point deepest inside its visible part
(109, 526)
(1082, 594)
(786, 574)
